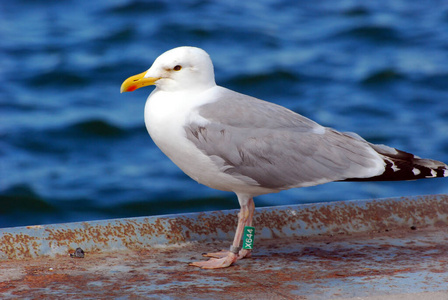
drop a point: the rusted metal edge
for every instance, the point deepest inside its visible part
(272, 222)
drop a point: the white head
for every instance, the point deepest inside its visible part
(183, 68)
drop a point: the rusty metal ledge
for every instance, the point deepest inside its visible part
(305, 220)
(371, 249)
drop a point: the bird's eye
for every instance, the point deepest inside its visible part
(177, 68)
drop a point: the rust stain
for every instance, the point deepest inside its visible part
(205, 225)
(22, 244)
(350, 217)
(156, 230)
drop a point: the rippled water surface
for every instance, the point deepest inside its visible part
(73, 148)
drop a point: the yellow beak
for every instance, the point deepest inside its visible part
(136, 82)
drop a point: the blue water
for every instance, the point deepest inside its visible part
(73, 148)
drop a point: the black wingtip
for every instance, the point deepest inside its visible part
(400, 165)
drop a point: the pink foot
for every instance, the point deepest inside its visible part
(216, 263)
(220, 254)
(223, 253)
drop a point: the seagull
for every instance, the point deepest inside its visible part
(233, 142)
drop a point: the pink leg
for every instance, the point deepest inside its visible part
(226, 258)
(249, 222)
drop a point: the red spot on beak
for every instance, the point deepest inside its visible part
(131, 88)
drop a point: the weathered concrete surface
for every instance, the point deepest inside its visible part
(375, 249)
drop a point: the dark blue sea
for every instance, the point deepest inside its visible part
(72, 148)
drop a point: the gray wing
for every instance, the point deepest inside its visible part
(276, 147)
